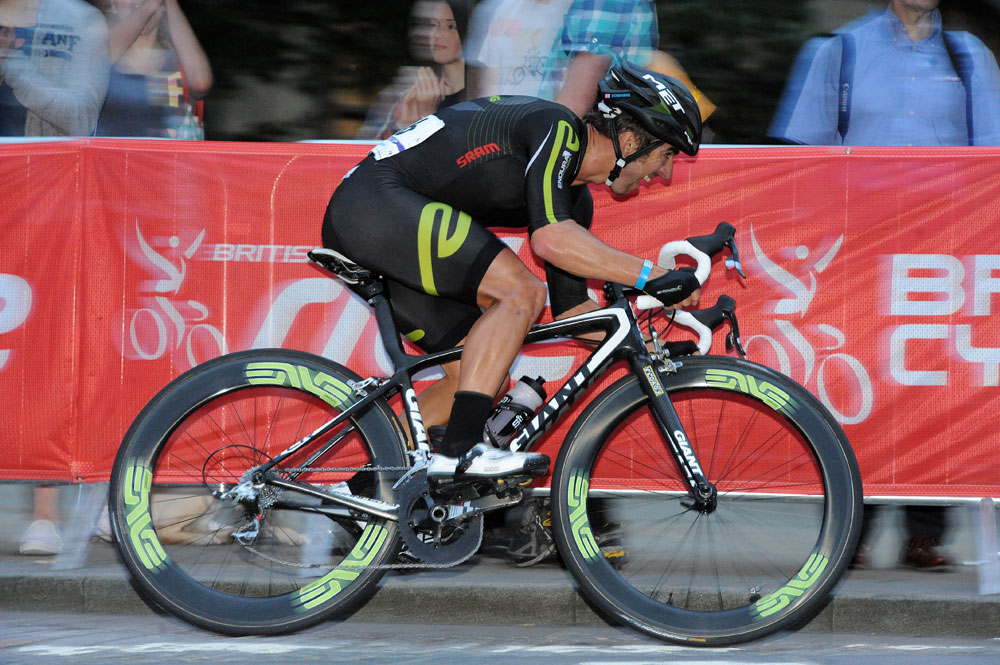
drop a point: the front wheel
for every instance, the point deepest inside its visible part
(241, 557)
(781, 534)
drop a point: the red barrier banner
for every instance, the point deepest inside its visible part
(126, 263)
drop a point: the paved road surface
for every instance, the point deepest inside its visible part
(89, 639)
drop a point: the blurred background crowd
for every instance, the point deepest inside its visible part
(328, 69)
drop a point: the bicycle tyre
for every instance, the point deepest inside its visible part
(786, 525)
(199, 434)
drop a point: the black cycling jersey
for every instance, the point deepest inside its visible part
(416, 209)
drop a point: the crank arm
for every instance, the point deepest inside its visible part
(469, 509)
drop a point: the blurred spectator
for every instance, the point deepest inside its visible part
(42, 536)
(595, 31)
(512, 40)
(159, 74)
(53, 78)
(53, 67)
(559, 49)
(905, 81)
(895, 78)
(437, 31)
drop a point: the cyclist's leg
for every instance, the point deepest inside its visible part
(433, 324)
(513, 299)
(430, 247)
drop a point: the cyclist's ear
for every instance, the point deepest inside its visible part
(628, 141)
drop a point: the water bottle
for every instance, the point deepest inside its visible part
(514, 410)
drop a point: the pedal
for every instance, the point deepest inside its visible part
(616, 555)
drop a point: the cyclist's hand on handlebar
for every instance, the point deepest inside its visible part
(691, 301)
(675, 289)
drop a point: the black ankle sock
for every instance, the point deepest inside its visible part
(465, 427)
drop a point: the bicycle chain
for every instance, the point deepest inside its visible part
(303, 469)
(386, 566)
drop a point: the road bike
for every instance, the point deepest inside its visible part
(728, 493)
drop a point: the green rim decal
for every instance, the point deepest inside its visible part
(335, 581)
(331, 390)
(446, 245)
(138, 480)
(795, 587)
(774, 397)
(580, 525)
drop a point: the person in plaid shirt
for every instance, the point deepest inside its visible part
(594, 33)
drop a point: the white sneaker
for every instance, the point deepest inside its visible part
(102, 530)
(41, 538)
(485, 461)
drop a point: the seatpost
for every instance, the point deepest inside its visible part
(386, 325)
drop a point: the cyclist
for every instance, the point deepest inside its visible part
(416, 211)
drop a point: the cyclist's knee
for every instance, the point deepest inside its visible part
(533, 296)
(526, 295)
(509, 281)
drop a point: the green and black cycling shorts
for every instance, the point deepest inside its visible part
(433, 256)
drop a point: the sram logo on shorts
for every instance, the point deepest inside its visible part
(476, 153)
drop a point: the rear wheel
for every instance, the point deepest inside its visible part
(237, 558)
(784, 528)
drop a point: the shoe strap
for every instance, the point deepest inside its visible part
(465, 461)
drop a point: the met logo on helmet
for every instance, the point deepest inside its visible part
(476, 153)
(665, 94)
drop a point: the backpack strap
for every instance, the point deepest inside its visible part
(847, 60)
(962, 62)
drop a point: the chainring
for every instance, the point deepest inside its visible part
(446, 542)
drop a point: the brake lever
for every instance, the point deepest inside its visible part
(704, 321)
(733, 262)
(713, 243)
(733, 336)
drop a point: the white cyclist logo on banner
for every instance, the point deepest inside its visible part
(816, 359)
(168, 321)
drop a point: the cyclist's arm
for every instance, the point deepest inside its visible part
(569, 246)
(582, 74)
(550, 136)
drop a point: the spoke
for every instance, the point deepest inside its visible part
(737, 444)
(668, 523)
(633, 464)
(653, 453)
(805, 461)
(758, 453)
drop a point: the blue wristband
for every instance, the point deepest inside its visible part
(647, 267)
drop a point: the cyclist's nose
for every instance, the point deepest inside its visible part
(667, 170)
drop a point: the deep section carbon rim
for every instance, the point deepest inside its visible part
(238, 558)
(780, 535)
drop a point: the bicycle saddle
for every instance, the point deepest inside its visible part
(342, 267)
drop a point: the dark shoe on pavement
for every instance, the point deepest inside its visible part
(533, 543)
(862, 558)
(923, 554)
